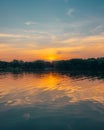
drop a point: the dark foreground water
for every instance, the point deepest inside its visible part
(51, 101)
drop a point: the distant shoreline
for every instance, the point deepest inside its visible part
(91, 64)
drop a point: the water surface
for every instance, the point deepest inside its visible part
(51, 101)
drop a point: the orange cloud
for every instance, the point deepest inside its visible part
(78, 47)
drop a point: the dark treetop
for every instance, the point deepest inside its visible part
(94, 64)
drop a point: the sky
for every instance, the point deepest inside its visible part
(51, 29)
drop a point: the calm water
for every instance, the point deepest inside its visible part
(51, 101)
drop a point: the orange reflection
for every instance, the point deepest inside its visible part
(28, 89)
(51, 81)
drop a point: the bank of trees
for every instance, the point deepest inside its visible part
(80, 64)
(21, 65)
(64, 65)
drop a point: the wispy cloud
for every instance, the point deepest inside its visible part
(98, 29)
(70, 12)
(3, 35)
(28, 23)
(86, 46)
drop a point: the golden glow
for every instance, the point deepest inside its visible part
(81, 47)
(45, 88)
(51, 58)
(66, 53)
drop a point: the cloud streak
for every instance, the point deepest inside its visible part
(29, 23)
(4, 35)
(74, 47)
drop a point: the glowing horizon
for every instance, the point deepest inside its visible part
(51, 30)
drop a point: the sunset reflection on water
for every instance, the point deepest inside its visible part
(48, 88)
(51, 101)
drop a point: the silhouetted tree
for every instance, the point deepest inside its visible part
(91, 64)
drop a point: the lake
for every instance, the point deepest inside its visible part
(51, 101)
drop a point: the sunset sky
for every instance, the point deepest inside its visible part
(51, 29)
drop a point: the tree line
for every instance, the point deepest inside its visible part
(64, 65)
